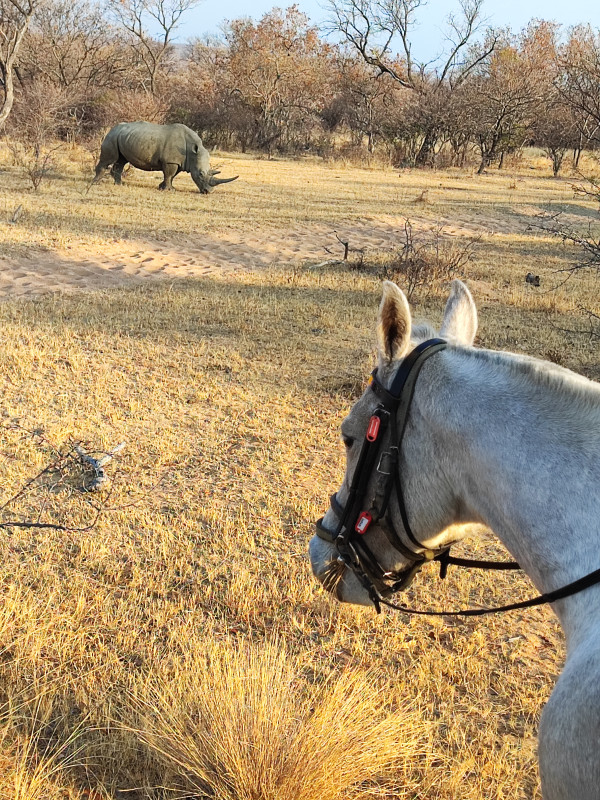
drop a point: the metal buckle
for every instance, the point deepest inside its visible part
(393, 461)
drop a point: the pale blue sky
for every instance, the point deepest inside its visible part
(427, 39)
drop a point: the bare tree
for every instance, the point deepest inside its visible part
(72, 44)
(137, 16)
(555, 130)
(15, 18)
(501, 102)
(579, 81)
(279, 72)
(360, 100)
(374, 28)
(510, 91)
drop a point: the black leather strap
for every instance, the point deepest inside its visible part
(548, 597)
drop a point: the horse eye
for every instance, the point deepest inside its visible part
(348, 441)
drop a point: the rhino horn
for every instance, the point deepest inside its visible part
(212, 181)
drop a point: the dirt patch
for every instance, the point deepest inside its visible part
(121, 263)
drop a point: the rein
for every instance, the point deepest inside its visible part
(355, 519)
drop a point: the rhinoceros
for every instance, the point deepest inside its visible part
(169, 148)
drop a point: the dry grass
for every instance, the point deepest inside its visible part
(242, 724)
(33, 762)
(182, 638)
(273, 194)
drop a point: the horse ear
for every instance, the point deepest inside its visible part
(460, 315)
(393, 324)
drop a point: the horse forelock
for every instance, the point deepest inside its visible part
(422, 331)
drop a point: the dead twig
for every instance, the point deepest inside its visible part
(73, 469)
(97, 465)
(587, 243)
(347, 251)
(592, 332)
(49, 525)
(16, 214)
(346, 246)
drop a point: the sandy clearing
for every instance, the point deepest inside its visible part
(127, 262)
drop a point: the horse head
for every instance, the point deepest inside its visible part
(395, 509)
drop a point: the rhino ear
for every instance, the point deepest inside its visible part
(460, 315)
(393, 324)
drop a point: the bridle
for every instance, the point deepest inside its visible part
(381, 467)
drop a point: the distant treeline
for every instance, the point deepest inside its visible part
(72, 68)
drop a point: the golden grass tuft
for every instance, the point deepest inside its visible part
(244, 724)
(34, 764)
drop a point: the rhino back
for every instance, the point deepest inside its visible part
(149, 146)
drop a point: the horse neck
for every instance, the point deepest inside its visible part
(519, 443)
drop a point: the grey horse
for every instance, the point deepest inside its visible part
(169, 148)
(500, 439)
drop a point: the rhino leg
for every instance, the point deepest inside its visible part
(169, 172)
(117, 169)
(109, 153)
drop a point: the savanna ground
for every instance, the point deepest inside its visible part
(168, 640)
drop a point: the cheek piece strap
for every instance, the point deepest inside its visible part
(377, 475)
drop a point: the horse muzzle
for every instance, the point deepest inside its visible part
(333, 574)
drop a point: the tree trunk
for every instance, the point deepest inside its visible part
(8, 68)
(424, 156)
(485, 157)
(370, 142)
(501, 162)
(9, 95)
(557, 159)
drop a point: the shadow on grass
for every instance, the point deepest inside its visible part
(311, 337)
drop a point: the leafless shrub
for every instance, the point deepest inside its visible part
(586, 244)
(35, 121)
(422, 263)
(36, 160)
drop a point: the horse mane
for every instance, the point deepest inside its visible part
(531, 372)
(542, 372)
(561, 393)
